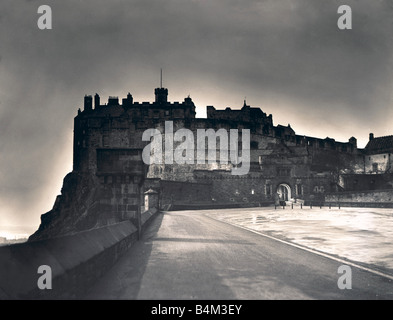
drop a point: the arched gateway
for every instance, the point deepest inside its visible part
(284, 192)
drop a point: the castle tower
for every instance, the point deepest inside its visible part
(161, 95)
(128, 101)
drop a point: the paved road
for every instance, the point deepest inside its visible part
(359, 234)
(188, 255)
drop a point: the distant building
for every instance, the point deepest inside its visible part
(374, 166)
(378, 155)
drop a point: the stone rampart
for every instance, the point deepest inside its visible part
(76, 261)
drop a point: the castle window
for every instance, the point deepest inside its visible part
(299, 189)
(268, 189)
(252, 191)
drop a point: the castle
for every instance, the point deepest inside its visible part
(109, 181)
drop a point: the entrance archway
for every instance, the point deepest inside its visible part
(284, 192)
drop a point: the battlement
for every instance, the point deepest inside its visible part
(113, 101)
(161, 95)
(161, 102)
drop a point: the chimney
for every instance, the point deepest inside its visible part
(96, 101)
(371, 136)
(88, 103)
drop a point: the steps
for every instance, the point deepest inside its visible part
(295, 202)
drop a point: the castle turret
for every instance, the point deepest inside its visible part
(188, 101)
(161, 95)
(128, 101)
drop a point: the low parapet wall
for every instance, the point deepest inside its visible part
(227, 205)
(76, 261)
(368, 198)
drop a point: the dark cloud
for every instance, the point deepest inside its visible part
(288, 57)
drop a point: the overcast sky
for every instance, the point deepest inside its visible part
(287, 57)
